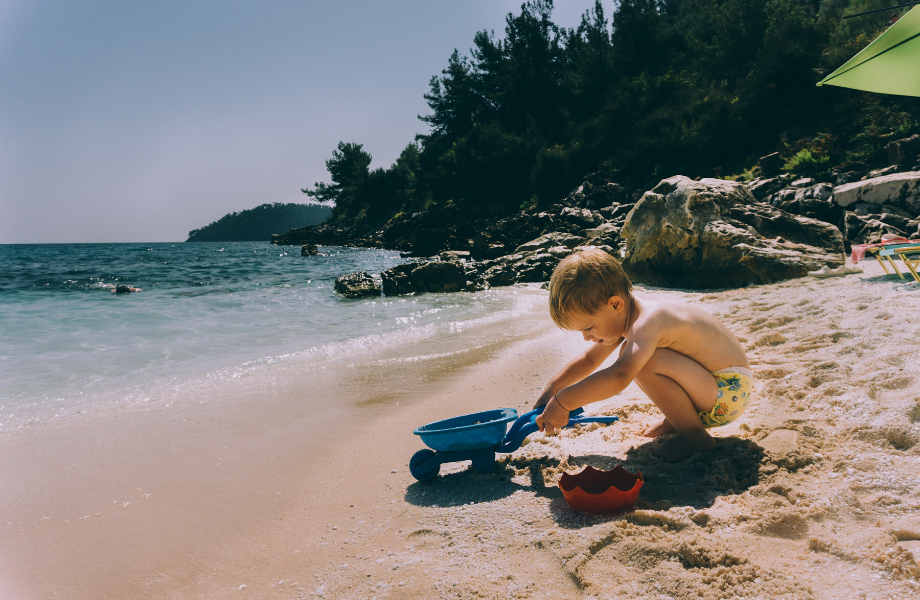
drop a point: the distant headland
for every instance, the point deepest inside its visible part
(259, 223)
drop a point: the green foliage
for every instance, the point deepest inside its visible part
(360, 193)
(348, 168)
(259, 223)
(696, 87)
(805, 162)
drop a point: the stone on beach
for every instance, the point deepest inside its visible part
(714, 234)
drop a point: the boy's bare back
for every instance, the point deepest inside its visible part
(687, 330)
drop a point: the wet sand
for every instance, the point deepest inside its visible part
(814, 493)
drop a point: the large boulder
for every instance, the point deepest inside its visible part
(714, 234)
(898, 189)
(357, 285)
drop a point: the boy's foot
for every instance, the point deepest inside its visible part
(678, 448)
(663, 427)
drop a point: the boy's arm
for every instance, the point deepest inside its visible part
(576, 370)
(603, 384)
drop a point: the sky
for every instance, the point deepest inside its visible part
(140, 121)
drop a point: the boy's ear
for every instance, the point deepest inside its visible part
(616, 303)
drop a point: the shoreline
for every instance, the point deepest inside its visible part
(128, 502)
(813, 493)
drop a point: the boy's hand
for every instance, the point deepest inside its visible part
(554, 417)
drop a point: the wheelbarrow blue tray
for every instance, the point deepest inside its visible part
(478, 437)
(469, 432)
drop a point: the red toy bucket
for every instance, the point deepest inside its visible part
(594, 491)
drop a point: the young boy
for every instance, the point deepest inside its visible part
(683, 358)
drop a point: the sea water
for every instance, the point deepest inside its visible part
(209, 313)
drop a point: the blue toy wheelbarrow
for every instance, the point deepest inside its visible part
(478, 437)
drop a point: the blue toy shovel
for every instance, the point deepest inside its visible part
(478, 437)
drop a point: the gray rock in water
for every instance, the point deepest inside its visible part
(396, 281)
(357, 285)
(430, 276)
(714, 234)
(308, 250)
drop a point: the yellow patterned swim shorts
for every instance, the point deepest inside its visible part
(735, 386)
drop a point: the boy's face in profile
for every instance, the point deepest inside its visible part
(604, 326)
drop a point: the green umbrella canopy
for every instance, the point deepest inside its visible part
(889, 65)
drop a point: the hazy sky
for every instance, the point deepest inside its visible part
(139, 121)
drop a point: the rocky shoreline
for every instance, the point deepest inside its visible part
(704, 233)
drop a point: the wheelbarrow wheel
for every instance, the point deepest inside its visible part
(417, 459)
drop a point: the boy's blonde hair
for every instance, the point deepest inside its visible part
(583, 282)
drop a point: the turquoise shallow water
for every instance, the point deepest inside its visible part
(207, 312)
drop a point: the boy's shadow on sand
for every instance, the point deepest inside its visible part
(732, 468)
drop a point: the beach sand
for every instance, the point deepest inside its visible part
(813, 493)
